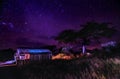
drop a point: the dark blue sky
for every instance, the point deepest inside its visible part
(33, 22)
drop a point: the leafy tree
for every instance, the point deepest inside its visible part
(91, 31)
(66, 36)
(94, 31)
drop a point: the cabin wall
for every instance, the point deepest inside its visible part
(33, 58)
(40, 57)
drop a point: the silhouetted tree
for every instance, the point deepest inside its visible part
(7, 54)
(89, 31)
(94, 31)
(66, 36)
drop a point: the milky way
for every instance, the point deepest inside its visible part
(34, 22)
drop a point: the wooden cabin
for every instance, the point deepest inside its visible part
(23, 56)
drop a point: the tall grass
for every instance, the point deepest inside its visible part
(86, 68)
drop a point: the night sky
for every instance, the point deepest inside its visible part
(34, 22)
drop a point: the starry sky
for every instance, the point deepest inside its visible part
(34, 22)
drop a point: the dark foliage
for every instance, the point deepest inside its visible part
(7, 54)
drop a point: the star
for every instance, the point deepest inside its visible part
(40, 15)
(26, 22)
(11, 25)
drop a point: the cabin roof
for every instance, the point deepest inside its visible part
(33, 51)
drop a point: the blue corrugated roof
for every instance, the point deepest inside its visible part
(32, 51)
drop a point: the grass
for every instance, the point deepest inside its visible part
(85, 68)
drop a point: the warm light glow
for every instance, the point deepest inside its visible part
(62, 56)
